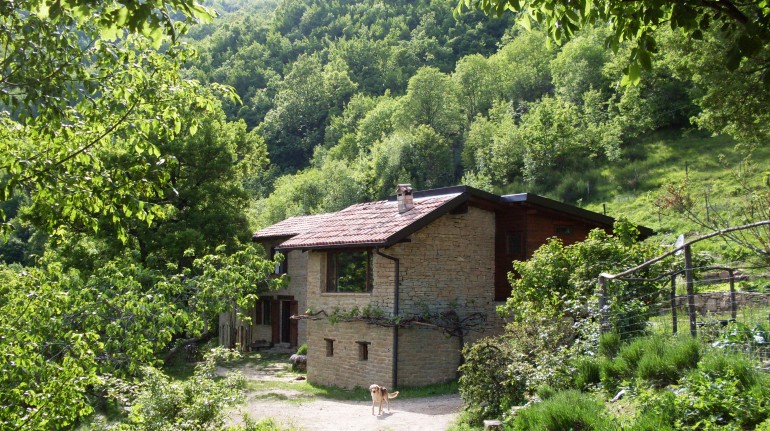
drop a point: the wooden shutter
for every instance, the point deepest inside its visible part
(294, 324)
(275, 312)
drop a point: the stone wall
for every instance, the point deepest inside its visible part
(719, 302)
(346, 368)
(447, 265)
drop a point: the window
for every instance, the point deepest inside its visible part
(329, 346)
(262, 312)
(363, 350)
(349, 271)
(563, 230)
(514, 243)
(283, 267)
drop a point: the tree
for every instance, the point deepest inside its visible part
(431, 100)
(522, 67)
(577, 67)
(309, 94)
(112, 322)
(745, 25)
(476, 83)
(71, 88)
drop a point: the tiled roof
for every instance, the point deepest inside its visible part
(379, 223)
(371, 223)
(291, 226)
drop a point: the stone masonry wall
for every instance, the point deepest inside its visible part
(719, 302)
(345, 368)
(447, 265)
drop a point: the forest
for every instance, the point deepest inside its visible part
(143, 143)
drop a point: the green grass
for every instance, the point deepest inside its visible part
(304, 389)
(659, 159)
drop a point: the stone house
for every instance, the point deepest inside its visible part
(444, 252)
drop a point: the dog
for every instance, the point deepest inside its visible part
(380, 394)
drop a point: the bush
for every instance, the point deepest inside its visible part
(719, 364)
(489, 386)
(250, 424)
(568, 410)
(632, 353)
(302, 350)
(651, 422)
(657, 370)
(587, 372)
(609, 344)
(545, 392)
(613, 372)
(658, 360)
(726, 391)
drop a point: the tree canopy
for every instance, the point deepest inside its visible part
(745, 24)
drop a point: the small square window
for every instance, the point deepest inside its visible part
(363, 350)
(329, 347)
(563, 230)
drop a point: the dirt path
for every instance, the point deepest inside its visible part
(299, 410)
(423, 414)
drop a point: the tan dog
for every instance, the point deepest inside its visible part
(380, 394)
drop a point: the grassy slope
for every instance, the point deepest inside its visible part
(661, 159)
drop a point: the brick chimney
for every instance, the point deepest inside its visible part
(404, 195)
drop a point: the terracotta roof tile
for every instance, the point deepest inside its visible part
(367, 223)
(291, 226)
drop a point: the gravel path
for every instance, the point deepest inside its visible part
(300, 411)
(421, 414)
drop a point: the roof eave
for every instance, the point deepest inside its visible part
(574, 211)
(332, 246)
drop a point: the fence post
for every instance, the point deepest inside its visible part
(733, 304)
(673, 302)
(690, 289)
(602, 303)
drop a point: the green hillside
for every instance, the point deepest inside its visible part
(351, 98)
(713, 168)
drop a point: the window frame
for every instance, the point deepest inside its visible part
(332, 271)
(363, 350)
(514, 242)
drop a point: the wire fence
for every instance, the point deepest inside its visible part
(722, 306)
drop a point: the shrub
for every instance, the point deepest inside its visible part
(724, 392)
(719, 363)
(564, 411)
(489, 386)
(613, 372)
(659, 360)
(196, 404)
(545, 392)
(609, 344)
(250, 424)
(651, 422)
(685, 352)
(656, 370)
(302, 350)
(587, 372)
(631, 353)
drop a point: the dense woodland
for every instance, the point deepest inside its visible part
(141, 147)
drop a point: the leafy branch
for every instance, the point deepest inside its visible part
(449, 321)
